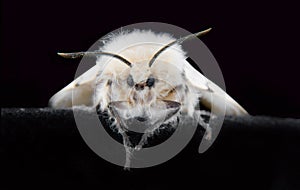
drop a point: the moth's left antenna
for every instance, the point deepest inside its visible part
(76, 55)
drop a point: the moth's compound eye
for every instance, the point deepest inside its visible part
(150, 81)
(130, 81)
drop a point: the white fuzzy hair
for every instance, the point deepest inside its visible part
(139, 45)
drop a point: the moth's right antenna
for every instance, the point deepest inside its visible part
(179, 41)
(81, 54)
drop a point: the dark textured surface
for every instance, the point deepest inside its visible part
(42, 148)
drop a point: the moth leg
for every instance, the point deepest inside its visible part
(126, 142)
(143, 140)
(200, 120)
(147, 133)
(205, 113)
(128, 150)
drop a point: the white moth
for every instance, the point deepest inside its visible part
(144, 76)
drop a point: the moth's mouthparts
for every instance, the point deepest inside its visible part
(141, 119)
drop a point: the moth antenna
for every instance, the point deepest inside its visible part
(76, 55)
(179, 41)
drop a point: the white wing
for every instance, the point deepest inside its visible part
(82, 90)
(211, 94)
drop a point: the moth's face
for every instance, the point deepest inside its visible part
(147, 94)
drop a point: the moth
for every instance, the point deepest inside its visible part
(144, 77)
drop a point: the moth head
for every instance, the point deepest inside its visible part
(144, 93)
(147, 97)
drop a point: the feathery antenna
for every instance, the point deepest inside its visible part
(179, 41)
(91, 54)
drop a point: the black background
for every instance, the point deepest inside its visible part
(254, 42)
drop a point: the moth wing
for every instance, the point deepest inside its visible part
(82, 90)
(211, 95)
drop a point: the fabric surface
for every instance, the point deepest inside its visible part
(42, 148)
